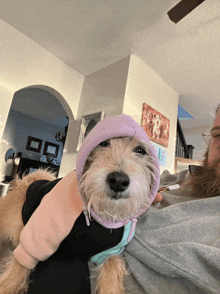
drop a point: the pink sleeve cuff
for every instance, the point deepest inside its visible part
(24, 258)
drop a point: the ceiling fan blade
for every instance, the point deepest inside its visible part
(183, 8)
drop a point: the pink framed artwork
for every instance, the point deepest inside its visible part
(156, 125)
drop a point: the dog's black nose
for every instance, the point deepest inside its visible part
(118, 181)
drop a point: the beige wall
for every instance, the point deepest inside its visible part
(24, 63)
(5, 103)
(119, 88)
(144, 85)
(103, 90)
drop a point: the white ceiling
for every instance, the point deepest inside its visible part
(91, 34)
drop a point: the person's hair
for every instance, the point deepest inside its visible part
(217, 109)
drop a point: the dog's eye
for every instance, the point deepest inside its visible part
(140, 150)
(105, 143)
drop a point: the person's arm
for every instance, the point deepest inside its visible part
(50, 223)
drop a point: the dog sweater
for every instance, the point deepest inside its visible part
(50, 223)
(84, 242)
(67, 271)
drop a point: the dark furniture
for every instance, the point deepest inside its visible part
(26, 164)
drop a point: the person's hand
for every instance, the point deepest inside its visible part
(158, 198)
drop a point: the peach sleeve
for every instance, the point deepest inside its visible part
(51, 222)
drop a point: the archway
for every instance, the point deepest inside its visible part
(36, 129)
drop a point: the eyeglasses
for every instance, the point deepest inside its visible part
(215, 135)
(206, 137)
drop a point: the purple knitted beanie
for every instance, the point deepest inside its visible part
(115, 126)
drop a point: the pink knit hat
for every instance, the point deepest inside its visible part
(115, 126)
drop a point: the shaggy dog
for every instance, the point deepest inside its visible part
(156, 127)
(165, 131)
(14, 277)
(149, 122)
(116, 183)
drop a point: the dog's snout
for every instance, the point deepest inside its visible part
(118, 181)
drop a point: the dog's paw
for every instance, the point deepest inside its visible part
(14, 278)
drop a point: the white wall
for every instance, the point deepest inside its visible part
(144, 85)
(5, 103)
(103, 90)
(24, 63)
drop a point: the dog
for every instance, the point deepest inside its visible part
(165, 131)
(14, 277)
(147, 122)
(156, 127)
(116, 182)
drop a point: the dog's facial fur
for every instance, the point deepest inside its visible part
(124, 156)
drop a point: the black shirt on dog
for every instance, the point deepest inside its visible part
(67, 271)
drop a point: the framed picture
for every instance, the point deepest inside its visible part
(51, 148)
(34, 144)
(87, 124)
(156, 125)
(43, 158)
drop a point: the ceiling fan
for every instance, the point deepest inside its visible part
(183, 8)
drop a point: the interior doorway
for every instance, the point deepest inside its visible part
(35, 131)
